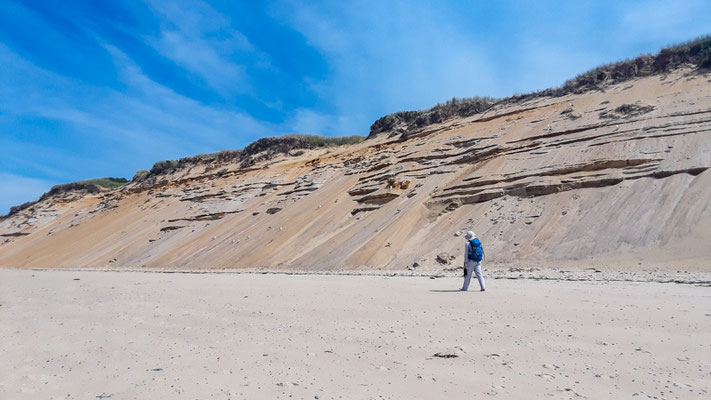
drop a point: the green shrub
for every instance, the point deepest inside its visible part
(90, 186)
(695, 53)
(407, 120)
(269, 147)
(107, 183)
(314, 141)
(140, 175)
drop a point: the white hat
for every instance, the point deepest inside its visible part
(470, 235)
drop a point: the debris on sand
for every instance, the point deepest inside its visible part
(445, 355)
(453, 352)
(444, 258)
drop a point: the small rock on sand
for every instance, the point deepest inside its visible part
(444, 258)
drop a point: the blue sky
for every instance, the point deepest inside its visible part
(104, 88)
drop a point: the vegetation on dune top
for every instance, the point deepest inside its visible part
(695, 53)
(408, 120)
(260, 150)
(88, 186)
(169, 166)
(266, 148)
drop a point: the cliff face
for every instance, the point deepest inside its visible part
(615, 176)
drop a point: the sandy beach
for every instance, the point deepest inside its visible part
(126, 335)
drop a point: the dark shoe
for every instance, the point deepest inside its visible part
(483, 290)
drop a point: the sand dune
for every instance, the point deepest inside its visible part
(614, 176)
(122, 335)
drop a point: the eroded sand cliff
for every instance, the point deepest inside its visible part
(617, 176)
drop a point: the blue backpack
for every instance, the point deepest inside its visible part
(476, 252)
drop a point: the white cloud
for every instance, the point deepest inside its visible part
(386, 56)
(143, 117)
(198, 38)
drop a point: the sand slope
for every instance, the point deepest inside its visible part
(120, 335)
(618, 176)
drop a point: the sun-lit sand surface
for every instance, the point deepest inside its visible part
(124, 335)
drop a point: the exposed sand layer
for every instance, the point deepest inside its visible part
(122, 335)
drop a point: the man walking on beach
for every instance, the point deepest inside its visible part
(473, 255)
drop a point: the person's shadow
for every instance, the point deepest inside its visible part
(445, 290)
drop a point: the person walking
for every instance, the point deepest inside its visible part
(473, 255)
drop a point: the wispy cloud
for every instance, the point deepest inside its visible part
(201, 40)
(110, 132)
(142, 123)
(411, 61)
